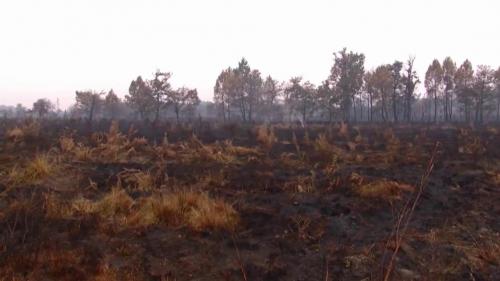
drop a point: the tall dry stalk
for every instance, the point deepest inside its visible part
(404, 217)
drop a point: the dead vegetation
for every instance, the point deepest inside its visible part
(383, 189)
(35, 170)
(294, 202)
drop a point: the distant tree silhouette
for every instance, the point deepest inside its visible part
(410, 81)
(89, 102)
(112, 104)
(183, 100)
(449, 70)
(160, 87)
(140, 97)
(301, 97)
(464, 80)
(347, 75)
(483, 88)
(434, 83)
(42, 107)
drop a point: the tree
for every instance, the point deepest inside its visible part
(370, 90)
(160, 88)
(240, 88)
(497, 91)
(20, 111)
(248, 85)
(410, 81)
(270, 93)
(464, 80)
(396, 68)
(240, 98)
(483, 87)
(433, 83)
(254, 92)
(89, 102)
(347, 76)
(112, 104)
(449, 70)
(381, 82)
(301, 97)
(42, 107)
(224, 89)
(140, 97)
(328, 99)
(183, 100)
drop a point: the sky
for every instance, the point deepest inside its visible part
(51, 48)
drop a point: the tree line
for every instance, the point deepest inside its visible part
(147, 98)
(386, 93)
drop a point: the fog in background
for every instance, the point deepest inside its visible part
(52, 48)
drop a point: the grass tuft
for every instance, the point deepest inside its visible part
(37, 169)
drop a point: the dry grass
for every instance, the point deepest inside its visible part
(28, 131)
(470, 144)
(192, 209)
(67, 144)
(383, 189)
(136, 179)
(302, 183)
(37, 169)
(116, 202)
(266, 137)
(344, 130)
(110, 147)
(324, 147)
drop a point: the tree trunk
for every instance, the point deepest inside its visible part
(354, 108)
(91, 113)
(435, 106)
(394, 110)
(371, 107)
(498, 110)
(451, 108)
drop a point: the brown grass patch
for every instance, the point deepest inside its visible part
(37, 169)
(383, 189)
(195, 210)
(266, 137)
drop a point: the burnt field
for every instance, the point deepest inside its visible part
(127, 201)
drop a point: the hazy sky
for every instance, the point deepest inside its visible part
(51, 48)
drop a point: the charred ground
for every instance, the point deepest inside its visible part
(126, 201)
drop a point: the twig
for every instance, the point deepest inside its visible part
(327, 277)
(406, 214)
(239, 260)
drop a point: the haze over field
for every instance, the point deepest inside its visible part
(52, 48)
